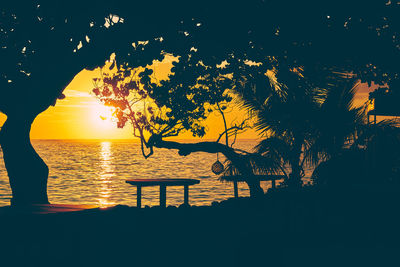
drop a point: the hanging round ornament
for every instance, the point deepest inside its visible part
(217, 167)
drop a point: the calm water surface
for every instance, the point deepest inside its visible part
(94, 172)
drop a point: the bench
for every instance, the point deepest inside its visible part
(240, 178)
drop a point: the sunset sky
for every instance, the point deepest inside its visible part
(78, 116)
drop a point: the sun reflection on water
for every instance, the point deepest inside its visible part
(106, 174)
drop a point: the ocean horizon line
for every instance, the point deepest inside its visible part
(130, 139)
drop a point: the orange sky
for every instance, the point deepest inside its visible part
(78, 115)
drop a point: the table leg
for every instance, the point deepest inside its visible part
(235, 189)
(163, 196)
(186, 195)
(139, 196)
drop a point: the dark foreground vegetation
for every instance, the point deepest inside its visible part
(347, 227)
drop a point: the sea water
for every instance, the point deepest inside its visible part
(94, 172)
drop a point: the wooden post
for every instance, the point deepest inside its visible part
(139, 196)
(235, 189)
(163, 196)
(273, 183)
(186, 195)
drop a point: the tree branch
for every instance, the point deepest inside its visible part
(185, 149)
(188, 148)
(225, 127)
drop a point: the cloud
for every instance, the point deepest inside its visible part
(79, 103)
(74, 106)
(76, 93)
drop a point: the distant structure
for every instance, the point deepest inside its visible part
(386, 102)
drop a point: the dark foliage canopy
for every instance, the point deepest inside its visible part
(40, 39)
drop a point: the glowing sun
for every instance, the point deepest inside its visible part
(102, 117)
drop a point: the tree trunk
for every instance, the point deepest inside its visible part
(213, 147)
(255, 188)
(295, 175)
(27, 171)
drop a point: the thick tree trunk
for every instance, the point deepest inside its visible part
(26, 170)
(295, 175)
(185, 149)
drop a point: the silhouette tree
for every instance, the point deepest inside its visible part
(322, 40)
(302, 123)
(41, 53)
(45, 43)
(302, 45)
(158, 109)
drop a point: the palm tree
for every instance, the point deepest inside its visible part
(302, 122)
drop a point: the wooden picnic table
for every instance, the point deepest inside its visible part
(162, 183)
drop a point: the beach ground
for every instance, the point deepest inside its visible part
(285, 229)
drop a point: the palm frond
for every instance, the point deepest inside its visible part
(258, 164)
